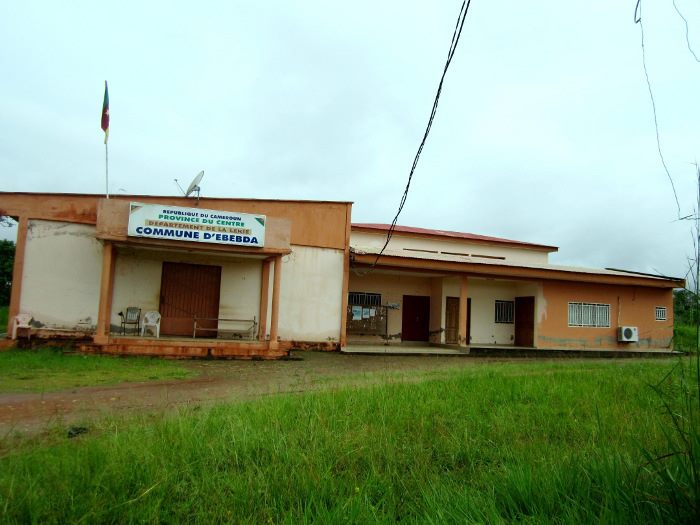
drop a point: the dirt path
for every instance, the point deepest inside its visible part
(217, 381)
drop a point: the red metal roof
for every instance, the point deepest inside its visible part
(455, 235)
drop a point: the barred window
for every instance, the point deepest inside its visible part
(365, 299)
(505, 311)
(660, 313)
(589, 314)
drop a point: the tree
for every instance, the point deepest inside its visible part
(684, 307)
(7, 260)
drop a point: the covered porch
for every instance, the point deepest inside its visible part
(453, 311)
(210, 300)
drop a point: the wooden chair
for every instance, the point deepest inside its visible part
(131, 318)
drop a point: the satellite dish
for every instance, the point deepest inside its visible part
(194, 185)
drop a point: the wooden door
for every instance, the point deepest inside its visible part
(525, 321)
(415, 318)
(188, 291)
(452, 321)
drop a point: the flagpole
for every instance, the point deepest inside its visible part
(106, 169)
(105, 127)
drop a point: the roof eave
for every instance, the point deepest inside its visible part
(512, 271)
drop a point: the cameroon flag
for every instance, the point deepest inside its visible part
(105, 114)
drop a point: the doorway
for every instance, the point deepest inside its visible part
(188, 291)
(452, 320)
(415, 318)
(525, 321)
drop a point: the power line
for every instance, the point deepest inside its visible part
(687, 38)
(450, 54)
(638, 20)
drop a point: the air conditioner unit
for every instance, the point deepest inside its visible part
(628, 334)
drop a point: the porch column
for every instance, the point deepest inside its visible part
(104, 312)
(437, 334)
(463, 289)
(274, 318)
(17, 273)
(264, 296)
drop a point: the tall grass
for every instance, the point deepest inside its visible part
(536, 442)
(685, 338)
(676, 471)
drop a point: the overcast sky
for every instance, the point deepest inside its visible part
(545, 131)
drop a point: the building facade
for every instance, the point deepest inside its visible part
(255, 278)
(80, 262)
(453, 288)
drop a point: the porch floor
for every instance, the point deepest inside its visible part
(502, 350)
(189, 347)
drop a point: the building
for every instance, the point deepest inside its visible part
(255, 278)
(261, 275)
(454, 288)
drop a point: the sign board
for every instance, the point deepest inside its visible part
(158, 221)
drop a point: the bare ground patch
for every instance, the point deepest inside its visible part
(221, 381)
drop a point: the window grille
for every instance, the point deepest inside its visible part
(660, 313)
(589, 314)
(364, 299)
(505, 311)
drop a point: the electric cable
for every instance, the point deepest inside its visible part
(687, 37)
(638, 20)
(450, 55)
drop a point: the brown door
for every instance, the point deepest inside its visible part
(415, 318)
(452, 321)
(524, 321)
(188, 291)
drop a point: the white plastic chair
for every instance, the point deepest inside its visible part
(22, 321)
(151, 319)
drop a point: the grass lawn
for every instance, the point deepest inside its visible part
(47, 369)
(532, 442)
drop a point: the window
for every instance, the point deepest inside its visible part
(366, 315)
(589, 314)
(504, 311)
(365, 299)
(660, 313)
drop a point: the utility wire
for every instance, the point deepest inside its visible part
(450, 54)
(638, 20)
(687, 38)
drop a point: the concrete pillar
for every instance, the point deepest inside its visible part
(437, 334)
(17, 273)
(274, 319)
(264, 296)
(463, 289)
(104, 312)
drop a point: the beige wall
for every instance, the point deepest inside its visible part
(137, 278)
(311, 294)
(367, 241)
(61, 278)
(63, 265)
(484, 293)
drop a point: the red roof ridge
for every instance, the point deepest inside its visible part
(448, 233)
